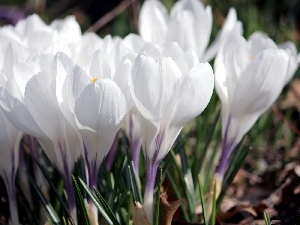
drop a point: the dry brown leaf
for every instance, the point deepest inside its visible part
(231, 207)
(139, 215)
(167, 209)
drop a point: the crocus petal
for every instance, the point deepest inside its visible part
(194, 6)
(134, 42)
(228, 67)
(99, 100)
(30, 25)
(258, 42)
(149, 132)
(231, 24)
(51, 121)
(68, 29)
(265, 75)
(100, 110)
(98, 67)
(37, 93)
(16, 112)
(9, 135)
(122, 75)
(85, 48)
(190, 18)
(153, 84)
(185, 22)
(64, 65)
(199, 83)
(261, 83)
(172, 50)
(187, 61)
(291, 49)
(153, 21)
(74, 85)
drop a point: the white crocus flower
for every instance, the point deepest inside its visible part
(10, 139)
(249, 78)
(35, 111)
(261, 41)
(39, 38)
(294, 56)
(189, 24)
(93, 100)
(169, 88)
(85, 48)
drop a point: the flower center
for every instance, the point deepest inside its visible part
(94, 80)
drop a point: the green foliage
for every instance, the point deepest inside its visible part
(189, 168)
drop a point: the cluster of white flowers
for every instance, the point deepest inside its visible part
(74, 91)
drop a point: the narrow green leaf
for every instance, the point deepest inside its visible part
(137, 197)
(210, 168)
(197, 163)
(106, 207)
(214, 205)
(52, 214)
(190, 199)
(58, 196)
(83, 215)
(178, 195)
(267, 219)
(96, 202)
(202, 199)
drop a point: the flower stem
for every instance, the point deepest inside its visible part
(227, 147)
(135, 150)
(71, 196)
(92, 178)
(111, 156)
(149, 190)
(11, 193)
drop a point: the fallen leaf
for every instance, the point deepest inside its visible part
(167, 209)
(139, 215)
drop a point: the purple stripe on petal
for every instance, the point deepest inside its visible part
(68, 183)
(227, 148)
(92, 169)
(111, 155)
(151, 170)
(135, 147)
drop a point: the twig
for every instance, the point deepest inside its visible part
(134, 18)
(110, 15)
(285, 120)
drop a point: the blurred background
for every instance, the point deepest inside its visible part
(280, 18)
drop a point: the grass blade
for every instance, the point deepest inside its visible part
(83, 215)
(202, 199)
(178, 195)
(214, 206)
(106, 207)
(52, 214)
(133, 180)
(267, 219)
(59, 198)
(96, 202)
(190, 199)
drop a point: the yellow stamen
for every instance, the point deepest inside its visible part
(251, 58)
(94, 80)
